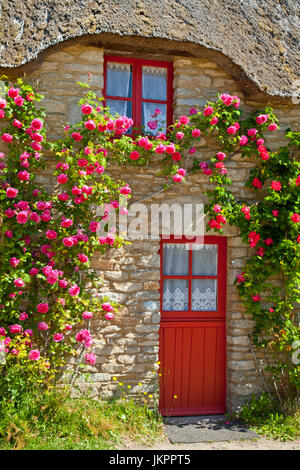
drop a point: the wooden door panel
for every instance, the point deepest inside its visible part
(192, 361)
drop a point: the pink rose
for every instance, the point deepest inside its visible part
(62, 178)
(134, 155)
(42, 326)
(43, 308)
(68, 242)
(18, 282)
(87, 315)
(208, 111)
(58, 337)
(243, 140)
(74, 290)
(14, 262)
(272, 126)
(83, 258)
(295, 218)
(22, 217)
(276, 185)
(86, 109)
(19, 101)
(196, 132)
(36, 124)
(90, 125)
(51, 234)
(76, 136)
(15, 329)
(109, 316)
(11, 192)
(23, 316)
(90, 358)
(34, 354)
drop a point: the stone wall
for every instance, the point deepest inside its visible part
(128, 346)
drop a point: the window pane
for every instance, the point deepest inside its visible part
(123, 108)
(175, 260)
(153, 122)
(154, 83)
(175, 295)
(205, 260)
(119, 80)
(204, 295)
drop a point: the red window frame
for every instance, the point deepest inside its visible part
(191, 315)
(137, 98)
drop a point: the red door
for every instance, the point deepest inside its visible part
(192, 331)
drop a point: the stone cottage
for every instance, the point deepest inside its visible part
(180, 305)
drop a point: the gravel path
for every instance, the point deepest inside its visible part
(257, 444)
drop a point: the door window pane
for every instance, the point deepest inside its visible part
(204, 295)
(175, 295)
(205, 260)
(154, 83)
(176, 260)
(119, 80)
(151, 121)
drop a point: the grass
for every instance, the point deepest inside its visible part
(60, 423)
(264, 416)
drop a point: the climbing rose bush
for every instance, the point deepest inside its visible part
(49, 238)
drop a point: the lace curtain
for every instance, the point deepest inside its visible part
(119, 80)
(176, 291)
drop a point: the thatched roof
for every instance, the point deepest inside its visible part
(259, 36)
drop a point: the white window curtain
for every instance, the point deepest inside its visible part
(119, 80)
(205, 260)
(154, 82)
(204, 295)
(176, 259)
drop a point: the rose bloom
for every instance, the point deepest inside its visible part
(18, 282)
(272, 126)
(94, 226)
(256, 298)
(275, 213)
(87, 315)
(42, 326)
(176, 156)
(58, 337)
(17, 123)
(181, 171)
(295, 218)
(63, 197)
(22, 217)
(257, 183)
(253, 238)
(76, 136)
(8, 234)
(179, 135)
(276, 185)
(19, 101)
(214, 121)
(34, 354)
(243, 140)
(51, 234)
(134, 155)
(11, 192)
(221, 156)
(208, 111)
(252, 132)
(196, 132)
(36, 124)
(68, 242)
(66, 222)
(74, 290)
(14, 262)
(83, 335)
(90, 125)
(231, 130)
(217, 208)
(90, 358)
(109, 316)
(63, 283)
(23, 316)
(15, 329)
(43, 308)
(83, 258)
(86, 109)
(107, 307)
(177, 178)
(62, 178)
